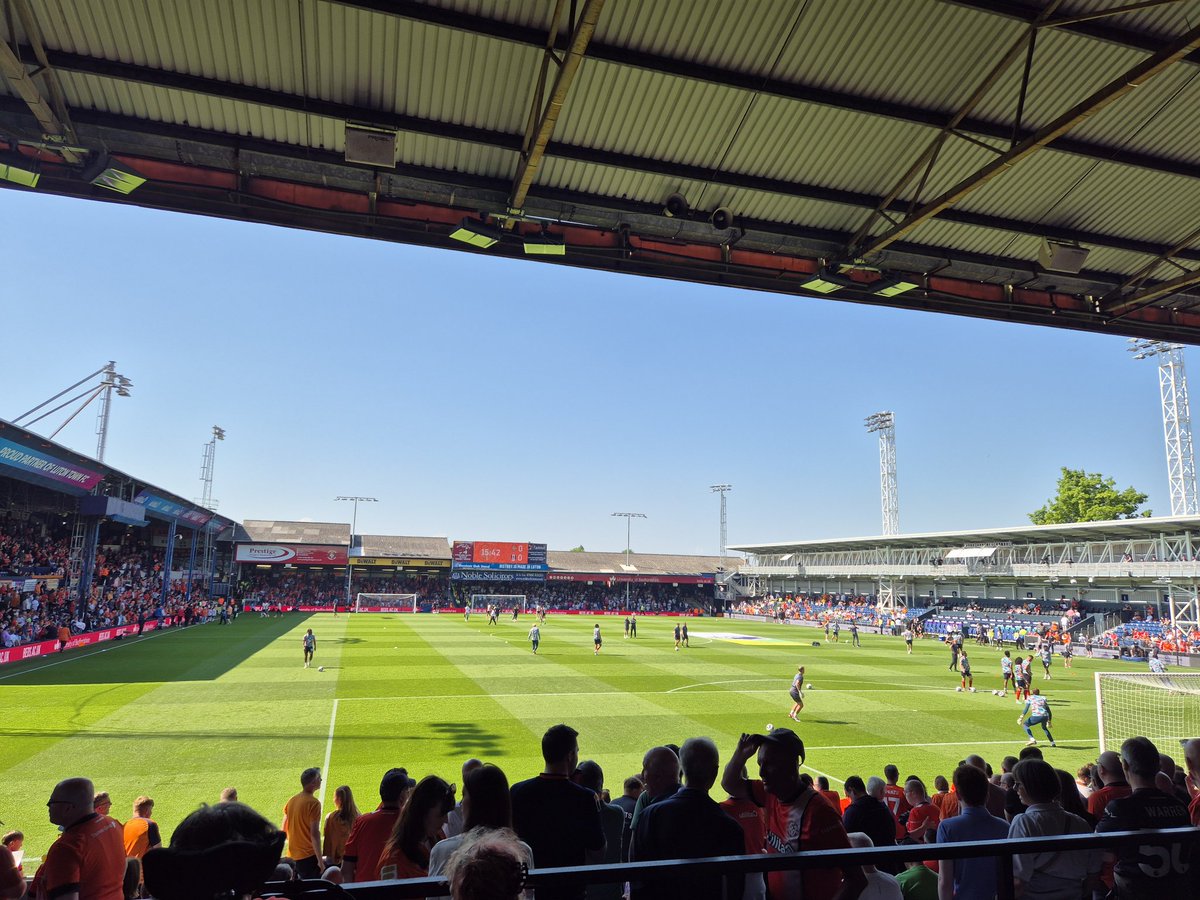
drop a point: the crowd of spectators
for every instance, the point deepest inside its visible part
(816, 608)
(38, 601)
(290, 588)
(485, 840)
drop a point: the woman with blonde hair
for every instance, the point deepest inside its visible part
(338, 824)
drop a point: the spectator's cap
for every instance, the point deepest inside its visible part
(395, 782)
(785, 738)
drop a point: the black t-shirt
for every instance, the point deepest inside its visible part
(559, 820)
(1152, 870)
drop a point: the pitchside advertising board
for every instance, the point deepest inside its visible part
(290, 554)
(48, 648)
(497, 561)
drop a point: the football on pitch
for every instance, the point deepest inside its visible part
(770, 727)
(808, 687)
(320, 668)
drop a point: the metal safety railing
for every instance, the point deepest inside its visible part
(1002, 851)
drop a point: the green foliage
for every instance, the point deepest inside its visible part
(1089, 497)
(578, 549)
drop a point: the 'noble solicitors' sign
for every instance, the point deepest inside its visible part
(294, 554)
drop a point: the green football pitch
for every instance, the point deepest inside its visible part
(181, 715)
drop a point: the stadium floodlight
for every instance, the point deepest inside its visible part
(629, 517)
(1176, 419)
(544, 245)
(353, 528)
(826, 281)
(16, 168)
(476, 233)
(892, 286)
(106, 172)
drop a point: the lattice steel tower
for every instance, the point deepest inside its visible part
(1177, 421)
(889, 496)
(206, 467)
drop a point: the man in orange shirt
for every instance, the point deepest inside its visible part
(364, 847)
(796, 816)
(64, 635)
(141, 832)
(302, 824)
(894, 799)
(87, 862)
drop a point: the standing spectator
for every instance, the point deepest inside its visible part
(1191, 755)
(338, 824)
(488, 866)
(924, 817)
(1151, 869)
(141, 831)
(1055, 875)
(796, 818)
(406, 853)
(946, 801)
(749, 816)
(558, 819)
(969, 879)
(364, 846)
(88, 859)
(612, 818)
(302, 825)
(1112, 776)
(868, 814)
(834, 798)
(894, 799)
(689, 825)
(996, 795)
(103, 805)
(660, 774)
(880, 885)
(487, 808)
(454, 820)
(628, 803)
(229, 795)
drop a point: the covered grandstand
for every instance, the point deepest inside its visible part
(1146, 567)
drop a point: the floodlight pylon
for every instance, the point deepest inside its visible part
(1177, 421)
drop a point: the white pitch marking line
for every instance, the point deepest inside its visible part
(711, 683)
(137, 640)
(328, 752)
(826, 774)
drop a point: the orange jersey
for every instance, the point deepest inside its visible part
(301, 813)
(808, 823)
(89, 857)
(894, 800)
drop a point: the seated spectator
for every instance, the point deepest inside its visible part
(918, 881)
(489, 865)
(406, 853)
(970, 879)
(944, 800)
(1054, 875)
(217, 851)
(88, 858)
(923, 816)
(834, 798)
(867, 814)
(612, 818)
(880, 885)
(454, 820)
(12, 882)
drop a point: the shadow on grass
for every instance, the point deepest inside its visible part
(197, 653)
(467, 737)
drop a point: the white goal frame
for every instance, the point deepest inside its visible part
(504, 601)
(1174, 708)
(397, 600)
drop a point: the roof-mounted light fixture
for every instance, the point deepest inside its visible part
(543, 244)
(826, 281)
(476, 233)
(18, 169)
(106, 172)
(892, 286)
(1062, 256)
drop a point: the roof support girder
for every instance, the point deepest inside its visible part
(1089, 106)
(344, 112)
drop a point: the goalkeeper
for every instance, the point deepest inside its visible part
(1038, 712)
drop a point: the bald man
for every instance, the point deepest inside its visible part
(660, 775)
(1108, 768)
(996, 795)
(88, 859)
(1191, 756)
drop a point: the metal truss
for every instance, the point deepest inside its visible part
(884, 423)
(1177, 422)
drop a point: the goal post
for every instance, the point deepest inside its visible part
(388, 602)
(503, 601)
(1164, 708)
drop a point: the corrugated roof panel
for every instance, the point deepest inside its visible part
(1149, 119)
(530, 13)
(1030, 190)
(454, 156)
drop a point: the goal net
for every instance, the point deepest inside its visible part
(385, 603)
(1164, 708)
(503, 601)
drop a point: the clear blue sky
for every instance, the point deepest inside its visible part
(480, 398)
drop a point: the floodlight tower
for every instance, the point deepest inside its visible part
(110, 381)
(349, 559)
(629, 517)
(206, 467)
(1177, 421)
(884, 423)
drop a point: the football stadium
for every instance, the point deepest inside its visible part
(202, 704)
